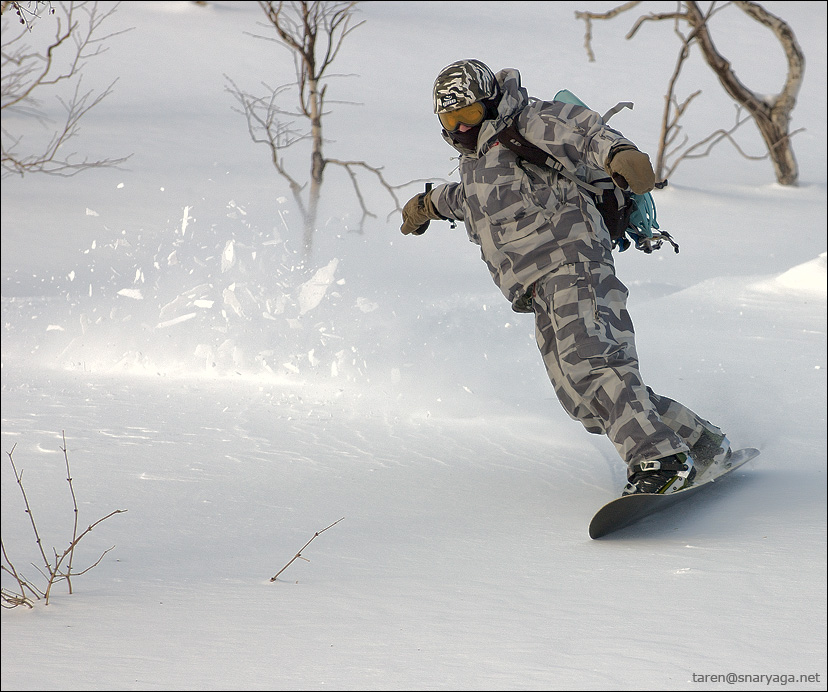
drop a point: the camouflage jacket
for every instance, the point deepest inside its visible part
(528, 220)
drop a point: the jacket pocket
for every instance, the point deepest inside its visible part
(581, 323)
(511, 208)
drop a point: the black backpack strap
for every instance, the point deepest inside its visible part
(512, 139)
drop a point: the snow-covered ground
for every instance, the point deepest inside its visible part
(235, 397)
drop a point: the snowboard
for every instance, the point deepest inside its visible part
(628, 509)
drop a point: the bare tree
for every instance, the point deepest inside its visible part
(314, 33)
(52, 69)
(772, 115)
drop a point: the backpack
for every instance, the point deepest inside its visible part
(630, 218)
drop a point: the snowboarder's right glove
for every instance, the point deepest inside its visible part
(417, 213)
(629, 166)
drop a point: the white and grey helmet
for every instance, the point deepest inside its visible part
(462, 83)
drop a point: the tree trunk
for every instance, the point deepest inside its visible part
(315, 98)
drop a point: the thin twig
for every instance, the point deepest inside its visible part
(19, 479)
(75, 507)
(56, 574)
(299, 554)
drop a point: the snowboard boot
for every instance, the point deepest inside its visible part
(711, 449)
(661, 476)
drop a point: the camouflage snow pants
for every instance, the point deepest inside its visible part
(586, 337)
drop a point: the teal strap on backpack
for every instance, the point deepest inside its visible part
(643, 218)
(644, 229)
(566, 96)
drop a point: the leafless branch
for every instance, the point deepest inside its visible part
(265, 127)
(349, 166)
(12, 599)
(75, 512)
(56, 573)
(299, 554)
(771, 115)
(589, 16)
(26, 14)
(31, 74)
(19, 478)
(703, 147)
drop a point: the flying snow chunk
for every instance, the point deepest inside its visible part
(89, 212)
(177, 320)
(133, 293)
(366, 305)
(185, 220)
(231, 301)
(228, 256)
(313, 291)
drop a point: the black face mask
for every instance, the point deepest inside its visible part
(467, 139)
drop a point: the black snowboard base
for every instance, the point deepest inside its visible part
(628, 509)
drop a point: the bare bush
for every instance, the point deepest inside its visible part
(58, 566)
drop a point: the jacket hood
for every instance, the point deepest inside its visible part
(513, 99)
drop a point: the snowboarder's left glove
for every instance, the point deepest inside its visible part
(631, 167)
(417, 213)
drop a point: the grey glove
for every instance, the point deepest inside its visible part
(417, 213)
(631, 167)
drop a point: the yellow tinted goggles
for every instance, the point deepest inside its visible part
(468, 115)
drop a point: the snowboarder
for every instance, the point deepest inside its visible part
(549, 251)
